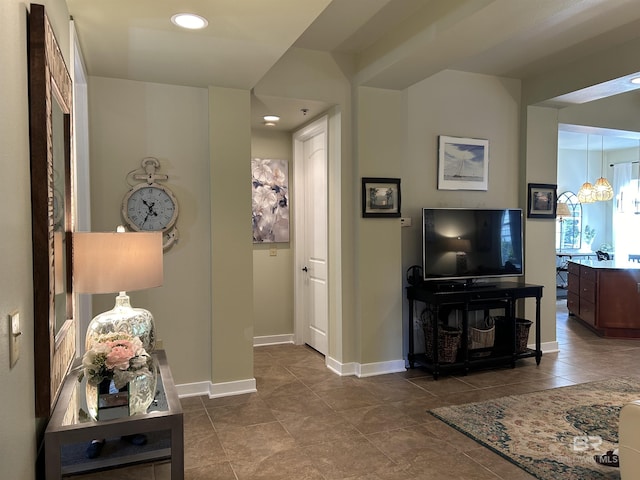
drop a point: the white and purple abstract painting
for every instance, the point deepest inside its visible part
(270, 205)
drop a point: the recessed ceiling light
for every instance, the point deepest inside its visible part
(635, 80)
(189, 20)
(271, 118)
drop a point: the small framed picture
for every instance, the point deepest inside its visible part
(380, 197)
(463, 163)
(542, 200)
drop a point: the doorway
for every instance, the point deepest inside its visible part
(311, 265)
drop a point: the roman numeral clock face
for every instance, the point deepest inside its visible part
(150, 207)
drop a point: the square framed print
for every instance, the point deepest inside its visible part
(463, 163)
(542, 200)
(380, 197)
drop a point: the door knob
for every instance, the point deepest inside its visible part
(305, 269)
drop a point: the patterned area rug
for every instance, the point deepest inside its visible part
(551, 434)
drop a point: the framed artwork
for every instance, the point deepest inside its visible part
(380, 197)
(270, 200)
(542, 200)
(463, 163)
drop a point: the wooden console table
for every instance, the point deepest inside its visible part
(499, 296)
(70, 431)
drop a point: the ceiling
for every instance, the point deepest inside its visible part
(392, 43)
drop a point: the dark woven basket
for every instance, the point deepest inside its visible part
(448, 340)
(504, 333)
(522, 334)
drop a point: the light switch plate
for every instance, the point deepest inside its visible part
(14, 338)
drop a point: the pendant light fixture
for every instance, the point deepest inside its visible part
(585, 194)
(602, 190)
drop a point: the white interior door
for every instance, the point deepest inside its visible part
(312, 299)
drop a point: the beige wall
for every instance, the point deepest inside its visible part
(273, 275)
(381, 144)
(132, 120)
(464, 105)
(231, 247)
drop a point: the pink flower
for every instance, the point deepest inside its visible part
(121, 352)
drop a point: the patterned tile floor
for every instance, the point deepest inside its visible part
(307, 423)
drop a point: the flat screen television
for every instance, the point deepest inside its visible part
(462, 245)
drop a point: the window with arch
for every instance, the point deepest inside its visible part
(569, 228)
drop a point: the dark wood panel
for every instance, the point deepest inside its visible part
(574, 283)
(573, 303)
(587, 273)
(619, 299)
(573, 268)
(588, 312)
(587, 290)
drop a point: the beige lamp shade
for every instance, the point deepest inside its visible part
(458, 245)
(116, 261)
(562, 210)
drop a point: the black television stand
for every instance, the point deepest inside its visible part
(499, 296)
(458, 286)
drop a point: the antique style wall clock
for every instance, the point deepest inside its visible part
(150, 206)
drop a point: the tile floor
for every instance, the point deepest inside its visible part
(307, 423)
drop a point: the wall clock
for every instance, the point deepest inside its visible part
(151, 206)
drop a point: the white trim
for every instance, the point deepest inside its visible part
(193, 389)
(342, 369)
(215, 390)
(273, 340)
(547, 347)
(362, 370)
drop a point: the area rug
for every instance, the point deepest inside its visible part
(552, 434)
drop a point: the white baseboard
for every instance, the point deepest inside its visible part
(362, 370)
(215, 390)
(548, 347)
(272, 340)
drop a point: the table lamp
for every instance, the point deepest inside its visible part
(461, 246)
(562, 210)
(118, 262)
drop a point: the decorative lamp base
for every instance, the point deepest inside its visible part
(123, 318)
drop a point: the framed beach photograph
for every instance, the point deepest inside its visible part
(542, 200)
(380, 197)
(463, 163)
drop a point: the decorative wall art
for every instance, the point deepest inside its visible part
(542, 200)
(463, 163)
(381, 197)
(270, 205)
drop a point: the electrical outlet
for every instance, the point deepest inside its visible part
(273, 252)
(14, 338)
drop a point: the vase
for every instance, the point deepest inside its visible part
(142, 389)
(106, 402)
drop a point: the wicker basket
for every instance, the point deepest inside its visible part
(482, 338)
(448, 340)
(504, 333)
(522, 334)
